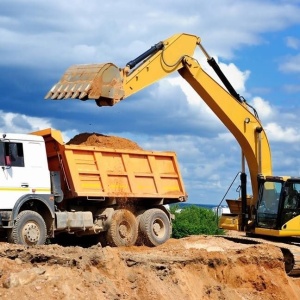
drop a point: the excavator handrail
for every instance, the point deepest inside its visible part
(228, 189)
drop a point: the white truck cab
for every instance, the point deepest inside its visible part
(23, 168)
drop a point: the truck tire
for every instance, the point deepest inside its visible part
(29, 229)
(140, 238)
(123, 229)
(155, 227)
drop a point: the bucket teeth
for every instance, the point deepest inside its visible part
(70, 91)
(57, 91)
(84, 90)
(54, 96)
(61, 95)
(76, 94)
(50, 93)
(68, 95)
(82, 95)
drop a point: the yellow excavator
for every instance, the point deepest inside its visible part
(274, 209)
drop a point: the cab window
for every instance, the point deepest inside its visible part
(13, 154)
(2, 155)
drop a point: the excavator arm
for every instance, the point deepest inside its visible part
(107, 85)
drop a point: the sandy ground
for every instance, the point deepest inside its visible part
(197, 267)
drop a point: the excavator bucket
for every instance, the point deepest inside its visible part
(100, 82)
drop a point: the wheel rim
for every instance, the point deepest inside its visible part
(124, 229)
(31, 233)
(159, 228)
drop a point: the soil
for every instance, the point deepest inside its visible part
(196, 267)
(101, 140)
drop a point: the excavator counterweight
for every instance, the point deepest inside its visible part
(101, 82)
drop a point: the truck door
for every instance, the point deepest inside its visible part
(13, 182)
(22, 174)
(37, 167)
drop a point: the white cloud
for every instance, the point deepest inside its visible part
(226, 136)
(19, 123)
(278, 133)
(290, 64)
(293, 42)
(280, 126)
(291, 88)
(47, 32)
(84, 50)
(263, 107)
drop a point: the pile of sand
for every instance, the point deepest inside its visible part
(101, 140)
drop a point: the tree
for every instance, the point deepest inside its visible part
(194, 220)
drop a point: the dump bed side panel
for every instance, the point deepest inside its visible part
(103, 172)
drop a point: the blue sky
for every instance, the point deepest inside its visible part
(257, 44)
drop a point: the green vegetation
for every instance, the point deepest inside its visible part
(194, 220)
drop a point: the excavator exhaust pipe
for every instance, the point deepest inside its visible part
(100, 82)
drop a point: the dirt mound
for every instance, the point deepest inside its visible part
(198, 267)
(101, 140)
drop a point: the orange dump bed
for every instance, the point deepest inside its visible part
(91, 171)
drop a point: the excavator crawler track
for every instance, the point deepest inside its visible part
(290, 250)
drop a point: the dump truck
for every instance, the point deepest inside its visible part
(49, 188)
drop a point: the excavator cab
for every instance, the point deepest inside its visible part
(278, 207)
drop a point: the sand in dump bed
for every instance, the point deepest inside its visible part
(101, 140)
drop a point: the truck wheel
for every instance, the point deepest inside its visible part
(123, 229)
(140, 238)
(155, 227)
(29, 229)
